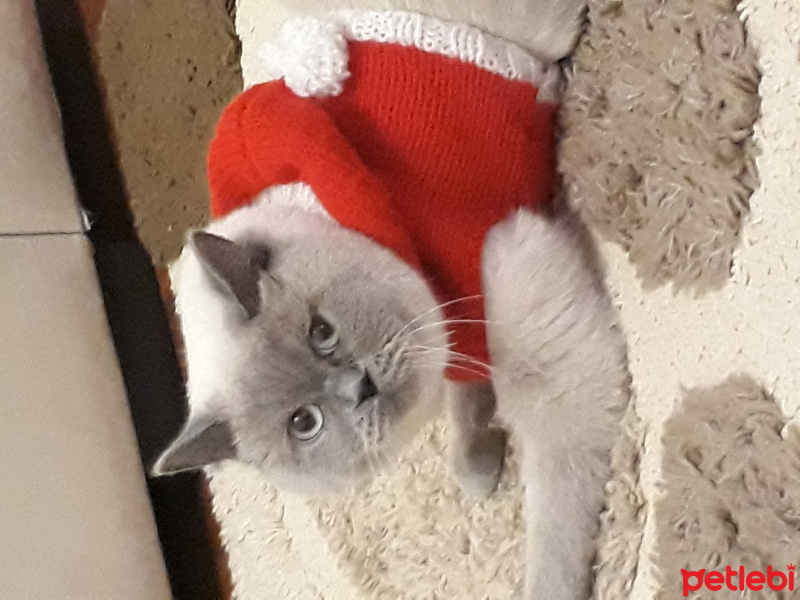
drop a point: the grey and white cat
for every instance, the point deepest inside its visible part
(342, 362)
(314, 354)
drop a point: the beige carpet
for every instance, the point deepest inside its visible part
(732, 467)
(658, 159)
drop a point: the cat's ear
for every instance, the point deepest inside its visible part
(202, 441)
(237, 267)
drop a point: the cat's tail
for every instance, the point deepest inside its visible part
(562, 386)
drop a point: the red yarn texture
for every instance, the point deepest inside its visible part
(421, 153)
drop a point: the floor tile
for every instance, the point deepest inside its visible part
(36, 192)
(76, 521)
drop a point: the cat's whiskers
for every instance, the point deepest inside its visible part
(442, 338)
(397, 358)
(464, 363)
(449, 321)
(397, 354)
(422, 348)
(429, 311)
(414, 353)
(452, 366)
(389, 363)
(421, 351)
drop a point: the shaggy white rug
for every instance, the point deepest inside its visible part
(659, 109)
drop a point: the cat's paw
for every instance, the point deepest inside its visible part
(478, 463)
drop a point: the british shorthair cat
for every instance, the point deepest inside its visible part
(381, 249)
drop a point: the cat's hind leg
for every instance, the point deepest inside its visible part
(561, 381)
(477, 449)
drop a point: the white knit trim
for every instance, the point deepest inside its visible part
(311, 53)
(454, 40)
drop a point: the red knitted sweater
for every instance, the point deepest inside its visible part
(420, 152)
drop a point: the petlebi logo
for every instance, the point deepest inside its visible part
(739, 579)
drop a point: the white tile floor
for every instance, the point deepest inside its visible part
(75, 519)
(36, 193)
(74, 512)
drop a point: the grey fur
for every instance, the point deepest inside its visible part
(235, 266)
(200, 442)
(478, 449)
(366, 387)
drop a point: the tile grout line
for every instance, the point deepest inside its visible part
(41, 234)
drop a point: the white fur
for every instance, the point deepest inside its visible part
(210, 349)
(561, 384)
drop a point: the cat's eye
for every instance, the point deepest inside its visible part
(322, 336)
(306, 422)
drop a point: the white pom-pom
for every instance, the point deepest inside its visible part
(311, 55)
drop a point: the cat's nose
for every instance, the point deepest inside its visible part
(354, 384)
(366, 388)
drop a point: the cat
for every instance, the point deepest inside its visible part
(318, 343)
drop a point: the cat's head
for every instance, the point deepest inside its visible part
(312, 353)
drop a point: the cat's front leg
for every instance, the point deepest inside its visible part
(561, 381)
(477, 449)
